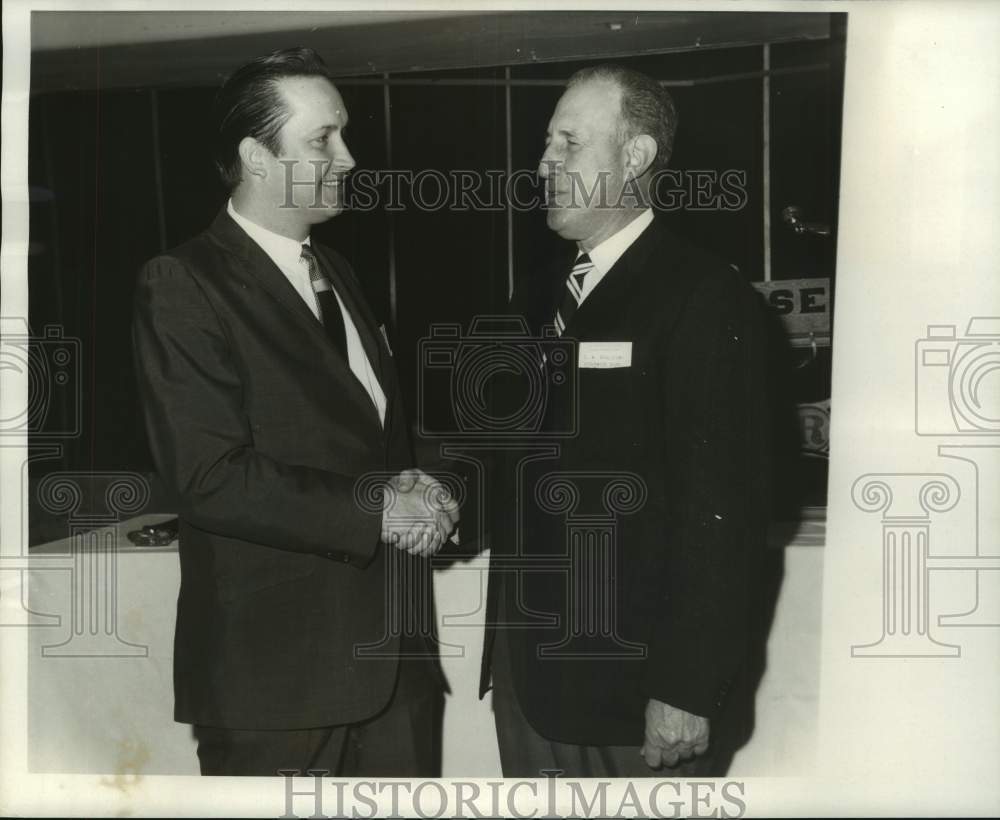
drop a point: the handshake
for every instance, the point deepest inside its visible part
(418, 513)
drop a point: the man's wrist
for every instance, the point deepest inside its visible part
(388, 499)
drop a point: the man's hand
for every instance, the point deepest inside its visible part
(418, 513)
(672, 735)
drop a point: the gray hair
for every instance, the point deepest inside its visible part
(646, 106)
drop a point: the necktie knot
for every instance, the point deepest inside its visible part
(316, 277)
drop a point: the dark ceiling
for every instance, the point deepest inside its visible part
(138, 49)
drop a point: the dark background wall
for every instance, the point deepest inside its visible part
(120, 175)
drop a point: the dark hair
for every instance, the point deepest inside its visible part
(249, 104)
(646, 106)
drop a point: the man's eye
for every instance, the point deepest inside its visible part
(320, 141)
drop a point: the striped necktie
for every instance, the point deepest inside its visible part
(329, 308)
(574, 292)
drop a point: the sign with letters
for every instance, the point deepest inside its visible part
(814, 428)
(802, 304)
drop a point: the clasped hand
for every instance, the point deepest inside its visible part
(419, 514)
(672, 735)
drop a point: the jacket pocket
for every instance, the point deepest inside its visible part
(242, 568)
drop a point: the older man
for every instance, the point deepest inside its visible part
(622, 603)
(270, 395)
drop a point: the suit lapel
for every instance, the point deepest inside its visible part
(262, 268)
(653, 254)
(537, 298)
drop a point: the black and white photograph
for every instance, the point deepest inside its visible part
(438, 410)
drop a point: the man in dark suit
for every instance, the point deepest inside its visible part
(274, 416)
(620, 594)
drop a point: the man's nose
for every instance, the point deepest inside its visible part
(547, 166)
(342, 158)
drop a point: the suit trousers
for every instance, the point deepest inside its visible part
(524, 753)
(403, 740)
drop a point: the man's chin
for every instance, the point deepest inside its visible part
(560, 221)
(326, 207)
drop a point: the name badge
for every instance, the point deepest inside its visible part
(605, 354)
(385, 338)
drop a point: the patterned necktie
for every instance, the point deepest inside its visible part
(329, 308)
(574, 292)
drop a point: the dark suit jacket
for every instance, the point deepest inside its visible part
(665, 578)
(261, 430)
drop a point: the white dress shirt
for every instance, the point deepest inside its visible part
(611, 249)
(287, 255)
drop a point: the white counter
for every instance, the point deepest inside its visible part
(101, 696)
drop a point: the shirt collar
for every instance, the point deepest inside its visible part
(284, 252)
(611, 249)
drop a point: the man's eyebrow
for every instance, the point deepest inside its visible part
(322, 129)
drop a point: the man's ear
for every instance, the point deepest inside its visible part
(640, 152)
(252, 154)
